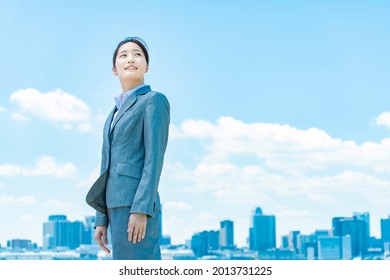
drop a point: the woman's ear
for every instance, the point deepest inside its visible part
(114, 71)
(147, 68)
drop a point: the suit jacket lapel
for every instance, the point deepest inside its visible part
(107, 125)
(129, 102)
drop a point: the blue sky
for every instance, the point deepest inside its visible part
(277, 104)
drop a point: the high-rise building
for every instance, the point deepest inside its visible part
(226, 235)
(321, 232)
(307, 246)
(284, 242)
(385, 230)
(334, 248)
(51, 231)
(74, 234)
(262, 233)
(199, 244)
(213, 239)
(49, 234)
(88, 230)
(165, 240)
(57, 218)
(59, 232)
(357, 229)
(21, 244)
(293, 240)
(366, 218)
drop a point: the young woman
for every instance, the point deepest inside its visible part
(134, 141)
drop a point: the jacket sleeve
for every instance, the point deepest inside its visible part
(156, 127)
(101, 219)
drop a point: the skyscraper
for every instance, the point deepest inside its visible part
(199, 244)
(334, 247)
(366, 218)
(226, 235)
(88, 230)
(51, 233)
(284, 242)
(293, 240)
(262, 234)
(385, 230)
(307, 246)
(213, 240)
(21, 244)
(59, 232)
(357, 229)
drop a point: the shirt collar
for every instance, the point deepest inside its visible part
(119, 99)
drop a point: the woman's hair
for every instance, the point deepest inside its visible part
(137, 40)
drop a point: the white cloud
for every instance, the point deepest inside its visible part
(56, 204)
(45, 166)
(2, 109)
(90, 179)
(323, 198)
(57, 106)
(176, 205)
(293, 213)
(19, 117)
(101, 118)
(383, 119)
(27, 218)
(7, 200)
(84, 127)
(263, 163)
(282, 147)
(10, 170)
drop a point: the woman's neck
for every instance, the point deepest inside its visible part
(127, 86)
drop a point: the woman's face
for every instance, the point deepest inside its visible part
(130, 63)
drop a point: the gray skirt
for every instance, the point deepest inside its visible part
(122, 249)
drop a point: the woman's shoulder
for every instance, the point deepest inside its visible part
(156, 96)
(153, 94)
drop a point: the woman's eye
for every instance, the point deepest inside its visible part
(122, 56)
(138, 54)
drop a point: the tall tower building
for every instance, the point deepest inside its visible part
(356, 229)
(199, 244)
(59, 232)
(334, 248)
(293, 240)
(284, 242)
(88, 231)
(226, 235)
(213, 239)
(385, 230)
(307, 246)
(262, 233)
(51, 232)
(366, 218)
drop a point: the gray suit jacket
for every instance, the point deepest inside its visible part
(134, 145)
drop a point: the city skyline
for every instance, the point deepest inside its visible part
(229, 243)
(348, 239)
(279, 104)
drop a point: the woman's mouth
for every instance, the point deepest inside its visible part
(131, 68)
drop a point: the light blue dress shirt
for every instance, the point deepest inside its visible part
(121, 98)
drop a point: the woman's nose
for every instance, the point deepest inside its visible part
(130, 58)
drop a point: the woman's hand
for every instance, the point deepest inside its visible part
(136, 227)
(101, 237)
